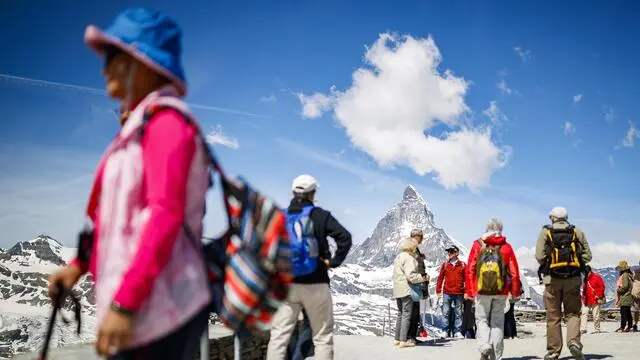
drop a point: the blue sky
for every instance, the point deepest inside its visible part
(504, 109)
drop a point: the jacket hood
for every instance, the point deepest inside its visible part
(494, 239)
(408, 245)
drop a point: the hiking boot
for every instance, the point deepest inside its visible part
(552, 357)
(576, 351)
(406, 344)
(635, 328)
(485, 353)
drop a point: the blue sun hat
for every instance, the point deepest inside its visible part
(150, 36)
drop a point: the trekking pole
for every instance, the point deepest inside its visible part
(204, 344)
(52, 321)
(389, 313)
(236, 348)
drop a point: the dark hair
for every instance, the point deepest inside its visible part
(110, 52)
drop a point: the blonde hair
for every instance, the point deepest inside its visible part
(408, 245)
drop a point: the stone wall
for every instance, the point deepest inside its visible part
(255, 348)
(223, 349)
(541, 315)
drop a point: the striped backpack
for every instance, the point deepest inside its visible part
(249, 266)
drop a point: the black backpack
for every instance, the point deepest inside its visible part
(564, 252)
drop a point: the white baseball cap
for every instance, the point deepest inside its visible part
(304, 184)
(559, 212)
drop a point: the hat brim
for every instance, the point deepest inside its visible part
(97, 39)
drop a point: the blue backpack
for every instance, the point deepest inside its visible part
(302, 241)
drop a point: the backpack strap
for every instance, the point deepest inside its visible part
(306, 211)
(171, 103)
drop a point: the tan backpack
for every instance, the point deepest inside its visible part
(635, 290)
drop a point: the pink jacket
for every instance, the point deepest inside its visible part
(144, 191)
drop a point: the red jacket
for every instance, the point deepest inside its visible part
(453, 278)
(510, 262)
(593, 289)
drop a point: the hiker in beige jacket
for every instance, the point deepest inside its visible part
(562, 280)
(405, 273)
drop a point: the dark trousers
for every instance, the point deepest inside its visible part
(182, 344)
(403, 321)
(468, 320)
(510, 330)
(301, 343)
(626, 320)
(415, 320)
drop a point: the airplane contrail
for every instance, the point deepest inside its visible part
(96, 91)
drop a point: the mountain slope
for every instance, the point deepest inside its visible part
(25, 306)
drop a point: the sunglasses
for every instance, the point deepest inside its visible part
(110, 53)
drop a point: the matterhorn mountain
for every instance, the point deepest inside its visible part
(363, 288)
(25, 306)
(381, 248)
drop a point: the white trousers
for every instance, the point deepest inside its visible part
(317, 303)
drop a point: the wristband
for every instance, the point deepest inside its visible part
(115, 306)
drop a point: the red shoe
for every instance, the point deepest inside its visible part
(423, 333)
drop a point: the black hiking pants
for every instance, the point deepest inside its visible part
(626, 320)
(182, 344)
(415, 320)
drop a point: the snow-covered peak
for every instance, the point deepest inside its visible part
(381, 248)
(40, 254)
(411, 194)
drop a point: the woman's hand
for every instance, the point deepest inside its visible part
(114, 334)
(67, 276)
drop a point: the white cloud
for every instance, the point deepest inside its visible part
(569, 128)
(494, 113)
(527, 258)
(524, 54)
(314, 105)
(605, 254)
(395, 98)
(577, 98)
(609, 113)
(216, 136)
(269, 99)
(611, 163)
(631, 136)
(504, 87)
